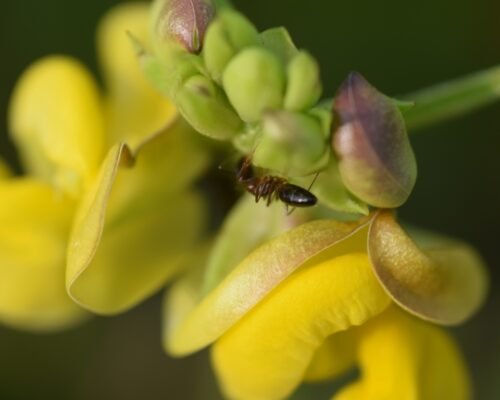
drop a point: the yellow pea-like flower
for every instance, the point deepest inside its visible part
(322, 297)
(104, 215)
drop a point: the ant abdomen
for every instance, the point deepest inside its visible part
(296, 196)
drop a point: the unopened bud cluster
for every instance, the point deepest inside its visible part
(257, 90)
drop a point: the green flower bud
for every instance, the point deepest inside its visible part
(226, 36)
(181, 23)
(169, 77)
(254, 81)
(376, 160)
(291, 144)
(303, 83)
(247, 140)
(279, 42)
(204, 106)
(323, 113)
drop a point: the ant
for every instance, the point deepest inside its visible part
(271, 188)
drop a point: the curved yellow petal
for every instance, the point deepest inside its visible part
(34, 229)
(252, 224)
(134, 109)
(56, 121)
(266, 354)
(443, 280)
(335, 356)
(402, 357)
(165, 163)
(131, 233)
(256, 276)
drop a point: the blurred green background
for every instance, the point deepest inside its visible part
(399, 46)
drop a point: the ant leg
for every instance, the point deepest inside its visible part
(258, 195)
(313, 181)
(289, 211)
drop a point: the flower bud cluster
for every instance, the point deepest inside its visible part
(233, 83)
(258, 91)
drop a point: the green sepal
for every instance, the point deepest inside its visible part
(168, 75)
(332, 193)
(229, 33)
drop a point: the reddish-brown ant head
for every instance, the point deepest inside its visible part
(244, 169)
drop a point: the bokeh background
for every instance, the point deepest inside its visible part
(399, 46)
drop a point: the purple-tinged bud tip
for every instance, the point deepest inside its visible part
(376, 160)
(185, 21)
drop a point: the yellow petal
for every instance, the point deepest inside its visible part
(34, 229)
(132, 233)
(256, 276)
(443, 281)
(252, 224)
(402, 357)
(56, 121)
(165, 163)
(265, 355)
(335, 356)
(134, 109)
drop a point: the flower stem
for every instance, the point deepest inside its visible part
(454, 98)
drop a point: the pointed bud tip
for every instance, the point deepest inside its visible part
(184, 21)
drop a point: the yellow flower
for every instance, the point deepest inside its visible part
(104, 215)
(319, 298)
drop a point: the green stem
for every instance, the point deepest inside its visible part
(452, 99)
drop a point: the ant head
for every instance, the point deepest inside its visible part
(244, 170)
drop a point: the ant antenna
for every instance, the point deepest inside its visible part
(313, 181)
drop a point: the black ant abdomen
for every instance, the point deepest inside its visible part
(296, 196)
(271, 188)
